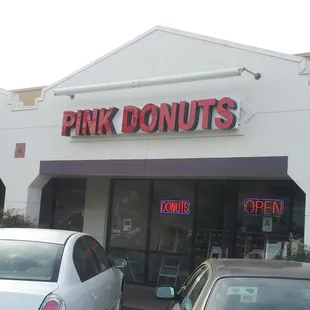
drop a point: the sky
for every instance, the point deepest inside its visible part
(42, 41)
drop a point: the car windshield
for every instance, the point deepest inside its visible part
(27, 260)
(260, 294)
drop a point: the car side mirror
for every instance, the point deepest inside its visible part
(165, 292)
(119, 262)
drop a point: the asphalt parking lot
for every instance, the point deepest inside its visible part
(141, 297)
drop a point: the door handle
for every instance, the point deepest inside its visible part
(93, 295)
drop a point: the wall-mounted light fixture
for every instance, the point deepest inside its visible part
(173, 79)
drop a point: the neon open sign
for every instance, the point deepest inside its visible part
(264, 207)
(175, 207)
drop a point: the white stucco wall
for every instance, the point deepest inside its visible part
(274, 118)
(97, 207)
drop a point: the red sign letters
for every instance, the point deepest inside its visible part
(265, 207)
(151, 118)
(175, 207)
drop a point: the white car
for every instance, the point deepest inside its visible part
(45, 269)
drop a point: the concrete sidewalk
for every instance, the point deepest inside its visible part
(139, 297)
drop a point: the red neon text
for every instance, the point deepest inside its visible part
(265, 207)
(175, 207)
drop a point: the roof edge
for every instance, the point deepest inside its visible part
(295, 58)
(27, 89)
(303, 54)
(116, 50)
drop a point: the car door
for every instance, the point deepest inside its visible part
(89, 272)
(187, 287)
(109, 276)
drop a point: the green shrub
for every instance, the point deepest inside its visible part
(300, 255)
(297, 251)
(14, 218)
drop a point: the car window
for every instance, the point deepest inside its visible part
(260, 293)
(85, 261)
(29, 260)
(193, 295)
(187, 286)
(100, 253)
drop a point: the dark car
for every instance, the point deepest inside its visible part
(242, 284)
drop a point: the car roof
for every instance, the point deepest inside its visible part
(36, 234)
(256, 267)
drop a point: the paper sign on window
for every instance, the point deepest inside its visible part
(267, 224)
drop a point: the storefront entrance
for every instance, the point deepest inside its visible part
(163, 245)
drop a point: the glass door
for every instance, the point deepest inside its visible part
(216, 205)
(171, 232)
(128, 226)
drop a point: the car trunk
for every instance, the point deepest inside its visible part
(26, 295)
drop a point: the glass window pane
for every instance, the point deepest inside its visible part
(30, 261)
(130, 214)
(216, 211)
(209, 205)
(84, 260)
(259, 293)
(172, 232)
(188, 284)
(99, 252)
(134, 271)
(192, 298)
(165, 269)
(250, 245)
(70, 204)
(276, 247)
(264, 190)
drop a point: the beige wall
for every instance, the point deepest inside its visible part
(28, 95)
(97, 207)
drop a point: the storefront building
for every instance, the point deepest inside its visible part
(171, 149)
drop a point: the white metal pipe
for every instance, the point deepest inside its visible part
(183, 78)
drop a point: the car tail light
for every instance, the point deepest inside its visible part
(53, 302)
